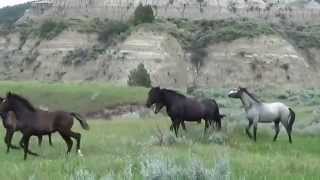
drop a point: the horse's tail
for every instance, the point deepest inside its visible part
(82, 121)
(291, 119)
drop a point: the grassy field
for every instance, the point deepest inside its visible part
(144, 148)
(129, 149)
(75, 97)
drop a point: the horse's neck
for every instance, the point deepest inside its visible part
(21, 111)
(247, 101)
(169, 99)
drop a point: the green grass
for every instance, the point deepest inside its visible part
(75, 97)
(128, 148)
(110, 147)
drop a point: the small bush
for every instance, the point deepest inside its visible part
(50, 29)
(110, 29)
(143, 14)
(31, 58)
(79, 56)
(139, 77)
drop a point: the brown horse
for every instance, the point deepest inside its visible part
(35, 122)
(9, 122)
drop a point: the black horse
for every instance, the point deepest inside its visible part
(35, 122)
(9, 122)
(181, 108)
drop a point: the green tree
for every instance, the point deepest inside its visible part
(143, 14)
(139, 77)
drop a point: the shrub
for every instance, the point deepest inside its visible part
(109, 29)
(139, 77)
(31, 57)
(143, 14)
(79, 56)
(50, 29)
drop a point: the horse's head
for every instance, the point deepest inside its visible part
(155, 97)
(5, 104)
(236, 92)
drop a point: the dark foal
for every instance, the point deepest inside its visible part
(181, 108)
(36, 122)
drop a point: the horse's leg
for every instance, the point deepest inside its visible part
(183, 126)
(39, 140)
(26, 139)
(50, 141)
(68, 141)
(255, 127)
(29, 152)
(248, 129)
(7, 139)
(171, 127)
(176, 124)
(288, 131)
(277, 129)
(77, 136)
(206, 125)
(21, 143)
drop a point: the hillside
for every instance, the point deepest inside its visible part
(176, 52)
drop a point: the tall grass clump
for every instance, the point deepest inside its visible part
(82, 174)
(165, 168)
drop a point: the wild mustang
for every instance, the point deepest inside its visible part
(264, 112)
(181, 108)
(9, 122)
(35, 122)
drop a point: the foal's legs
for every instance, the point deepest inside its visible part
(26, 139)
(8, 138)
(77, 136)
(277, 129)
(68, 141)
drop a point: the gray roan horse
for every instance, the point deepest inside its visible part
(257, 111)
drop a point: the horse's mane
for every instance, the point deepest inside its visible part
(174, 93)
(251, 95)
(23, 101)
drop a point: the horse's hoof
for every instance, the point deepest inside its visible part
(80, 153)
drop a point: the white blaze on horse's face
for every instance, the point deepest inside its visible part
(234, 93)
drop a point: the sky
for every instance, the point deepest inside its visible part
(11, 2)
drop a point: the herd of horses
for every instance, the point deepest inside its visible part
(18, 114)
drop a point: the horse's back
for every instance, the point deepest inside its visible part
(273, 112)
(53, 120)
